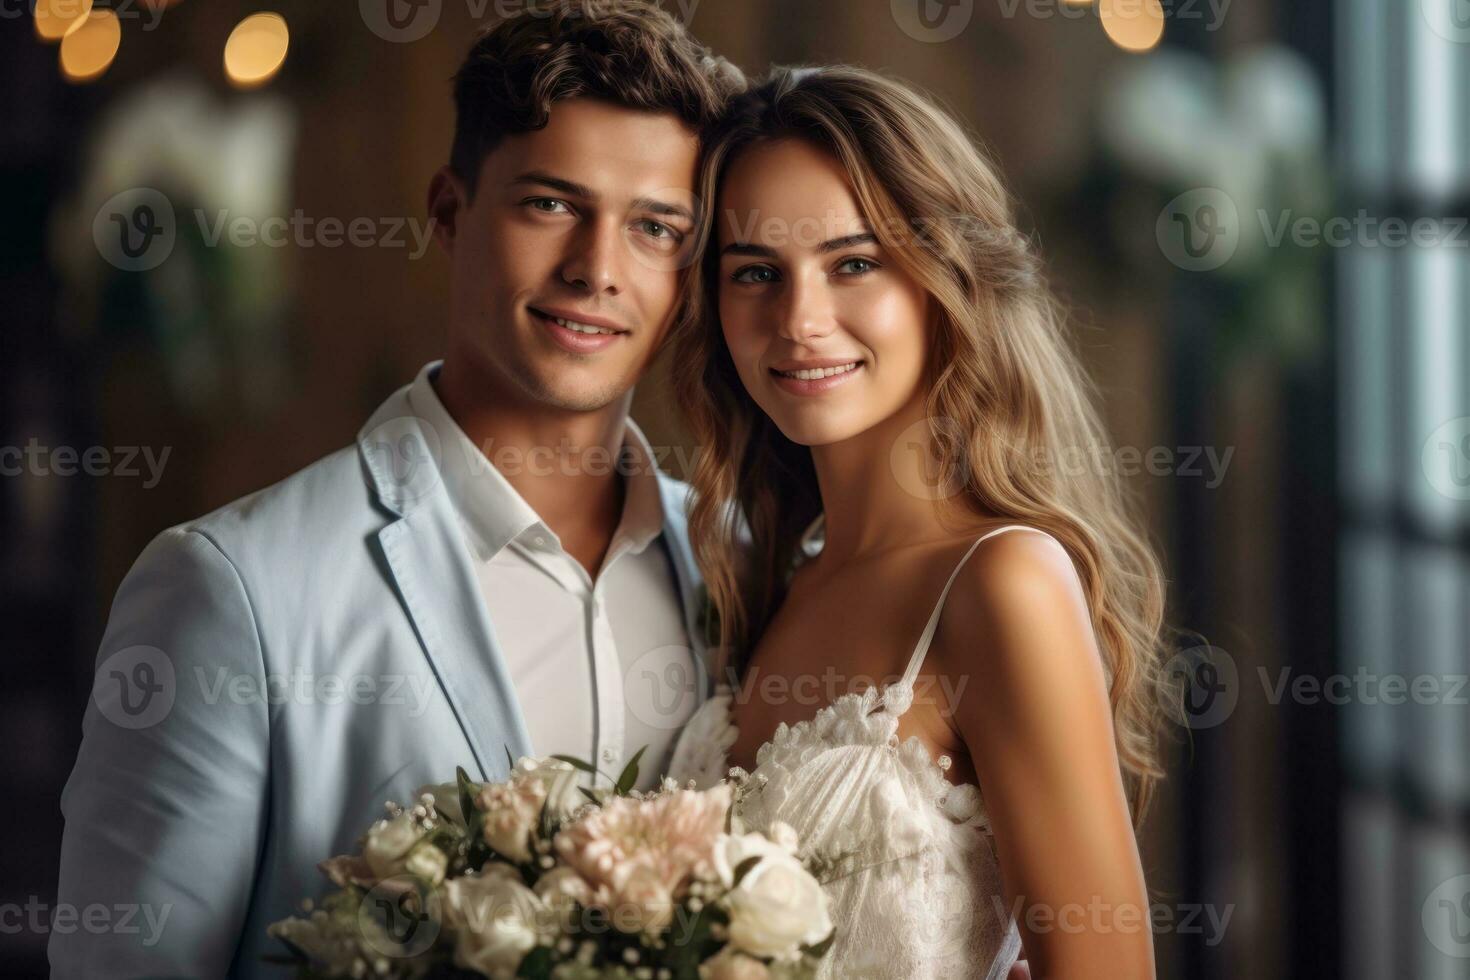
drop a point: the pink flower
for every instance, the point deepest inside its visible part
(639, 855)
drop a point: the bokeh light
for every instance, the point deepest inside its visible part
(256, 49)
(87, 50)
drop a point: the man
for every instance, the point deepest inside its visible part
(494, 569)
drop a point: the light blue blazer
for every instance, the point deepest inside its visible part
(271, 673)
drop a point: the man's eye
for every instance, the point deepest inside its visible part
(547, 205)
(755, 274)
(856, 266)
(657, 229)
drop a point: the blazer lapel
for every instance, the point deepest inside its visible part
(686, 572)
(425, 553)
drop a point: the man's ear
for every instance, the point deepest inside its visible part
(448, 199)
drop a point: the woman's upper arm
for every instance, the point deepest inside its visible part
(1037, 721)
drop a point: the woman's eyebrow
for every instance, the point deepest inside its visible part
(831, 245)
(848, 241)
(747, 248)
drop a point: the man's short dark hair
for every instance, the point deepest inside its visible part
(628, 52)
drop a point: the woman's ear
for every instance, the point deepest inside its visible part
(448, 197)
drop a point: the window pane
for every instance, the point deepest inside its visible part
(1435, 718)
(1363, 93)
(1442, 901)
(1369, 900)
(1370, 741)
(1437, 45)
(1365, 364)
(1437, 467)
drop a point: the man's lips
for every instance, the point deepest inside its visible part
(587, 323)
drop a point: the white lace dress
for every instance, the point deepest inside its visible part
(905, 855)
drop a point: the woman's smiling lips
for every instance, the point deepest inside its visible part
(579, 333)
(815, 376)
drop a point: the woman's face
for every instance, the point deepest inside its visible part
(829, 336)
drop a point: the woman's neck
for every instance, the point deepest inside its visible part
(880, 490)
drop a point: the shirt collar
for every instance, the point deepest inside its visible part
(494, 513)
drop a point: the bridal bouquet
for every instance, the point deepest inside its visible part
(539, 877)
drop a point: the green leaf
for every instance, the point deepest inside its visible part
(537, 964)
(577, 763)
(589, 794)
(467, 792)
(510, 763)
(629, 775)
(743, 868)
(820, 949)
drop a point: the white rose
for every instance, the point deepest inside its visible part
(778, 906)
(427, 862)
(388, 843)
(558, 783)
(783, 835)
(511, 813)
(495, 920)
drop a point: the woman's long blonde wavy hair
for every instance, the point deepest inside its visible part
(1006, 395)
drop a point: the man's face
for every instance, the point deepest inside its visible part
(567, 265)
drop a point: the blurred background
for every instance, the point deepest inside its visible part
(1256, 211)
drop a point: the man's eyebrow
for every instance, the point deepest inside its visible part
(663, 207)
(542, 179)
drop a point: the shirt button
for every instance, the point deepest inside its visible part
(539, 540)
(609, 755)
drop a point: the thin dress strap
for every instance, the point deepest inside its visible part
(922, 648)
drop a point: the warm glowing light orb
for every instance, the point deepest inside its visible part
(256, 49)
(88, 48)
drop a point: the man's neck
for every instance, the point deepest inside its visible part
(562, 463)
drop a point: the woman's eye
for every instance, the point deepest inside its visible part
(548, 205)
(755, 274)
(856, 266)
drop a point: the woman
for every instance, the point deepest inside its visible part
(955, 700)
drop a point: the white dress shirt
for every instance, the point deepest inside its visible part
(601, 667)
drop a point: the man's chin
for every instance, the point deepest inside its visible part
(575, 390)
